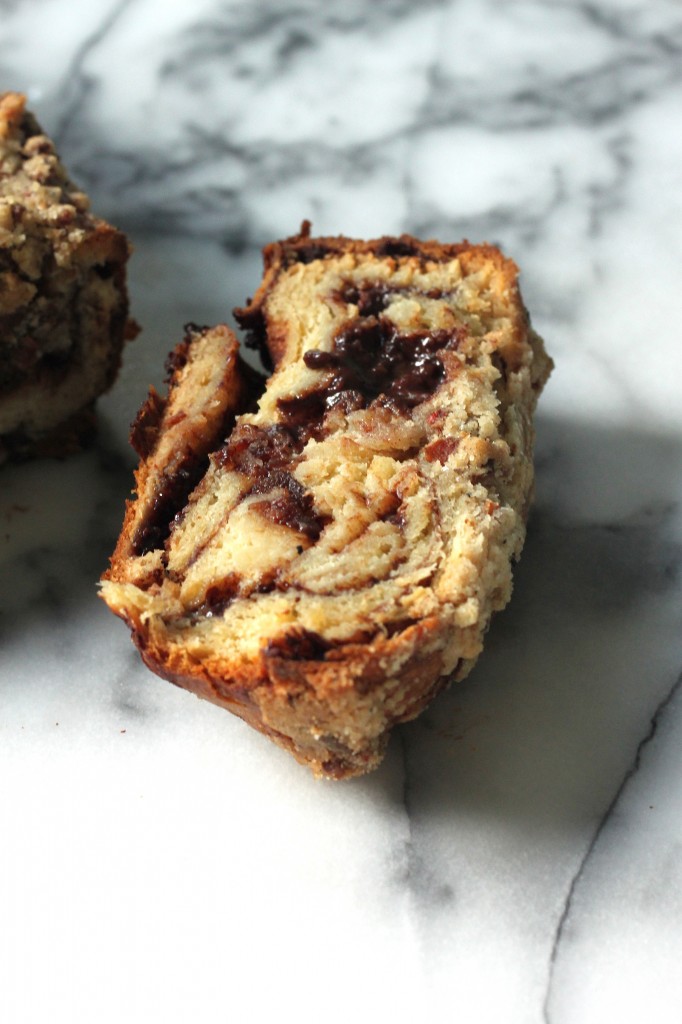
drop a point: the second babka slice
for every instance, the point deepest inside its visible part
(63, 296)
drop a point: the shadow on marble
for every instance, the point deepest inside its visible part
(543, 731)
(59, 520)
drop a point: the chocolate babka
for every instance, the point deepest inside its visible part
(323, 558)
(63, 301)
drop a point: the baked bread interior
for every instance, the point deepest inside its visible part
(63, 299)
(325, 562)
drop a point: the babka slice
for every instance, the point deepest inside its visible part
(346, 543)
(63, 301)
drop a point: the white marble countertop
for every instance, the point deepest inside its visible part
(518, 857)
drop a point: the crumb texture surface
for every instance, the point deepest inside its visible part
(63, 300)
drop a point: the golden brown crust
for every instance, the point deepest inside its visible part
(340, 559)
(63, 299)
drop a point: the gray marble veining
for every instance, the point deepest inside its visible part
(518, 857)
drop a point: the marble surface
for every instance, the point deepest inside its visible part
(518, 857)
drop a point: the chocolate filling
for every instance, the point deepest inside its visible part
(398, 247)
(293, 508)
(372, 297)
(144, 429)
(311, 251)
(265, 455)
(170, 497)
(372, 360)
(218, 597)
(298, 645)
(252, 321)
(256, 451)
